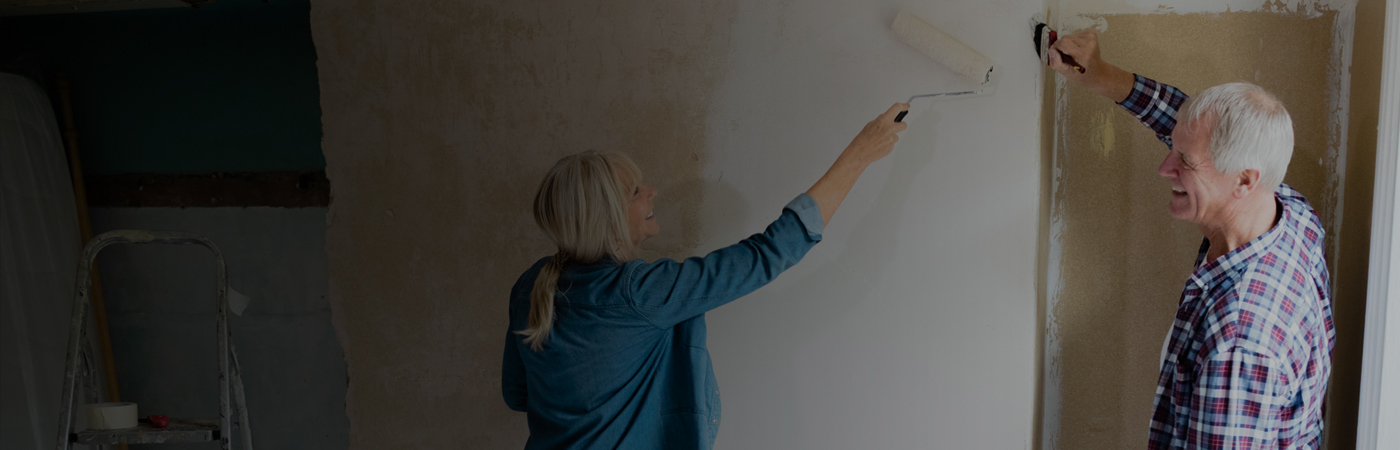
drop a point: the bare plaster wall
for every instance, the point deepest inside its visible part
(440, 119)
(1349, 306)
(1117, 261)
(912, 323)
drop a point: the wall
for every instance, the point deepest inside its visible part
(1116, 259)
(914, 323)
(1349, 306)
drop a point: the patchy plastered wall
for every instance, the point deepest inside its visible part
(1117, 261)
(1349, 305)
(440, 119)
(914, 322)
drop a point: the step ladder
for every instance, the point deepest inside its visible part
(180, 430)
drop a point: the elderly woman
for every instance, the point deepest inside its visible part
(606, 350)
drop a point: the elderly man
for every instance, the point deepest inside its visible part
(1246, 363)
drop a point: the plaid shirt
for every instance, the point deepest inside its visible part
(1247, 361)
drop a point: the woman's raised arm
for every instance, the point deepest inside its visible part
(874, 142)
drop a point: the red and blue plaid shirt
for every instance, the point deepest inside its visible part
(1247, 361)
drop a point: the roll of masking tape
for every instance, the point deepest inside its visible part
(111, 416)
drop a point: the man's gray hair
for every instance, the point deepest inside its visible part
(1252, 130)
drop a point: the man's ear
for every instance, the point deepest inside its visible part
(1246, 182)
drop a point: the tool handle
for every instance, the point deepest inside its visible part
(1072, 63)
(900, 116)
(1063, 57)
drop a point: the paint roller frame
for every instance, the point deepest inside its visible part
(949, 52)
(988, 89)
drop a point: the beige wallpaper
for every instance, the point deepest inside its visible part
(1116, 261)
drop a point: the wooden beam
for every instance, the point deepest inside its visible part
(75, 169)
(278, 189)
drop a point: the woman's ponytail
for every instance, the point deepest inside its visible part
(582, 206)
(542, 303)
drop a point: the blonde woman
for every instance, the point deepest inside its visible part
(605, 350)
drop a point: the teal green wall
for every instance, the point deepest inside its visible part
(228, 87)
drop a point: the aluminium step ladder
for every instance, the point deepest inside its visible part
(179, 430)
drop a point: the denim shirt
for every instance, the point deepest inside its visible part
(625, 365)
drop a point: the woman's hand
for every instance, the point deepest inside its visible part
(878, 137)
(1101, 77)
(874, 142)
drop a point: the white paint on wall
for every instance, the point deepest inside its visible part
(913, 324)
(1073, 15)
(1312, 8)
(1053, 369)
(1339, 104)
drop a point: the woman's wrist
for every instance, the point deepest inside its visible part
(852, 159)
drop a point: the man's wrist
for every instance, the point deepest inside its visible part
(1116, 84)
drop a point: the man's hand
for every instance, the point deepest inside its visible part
(1101, 77)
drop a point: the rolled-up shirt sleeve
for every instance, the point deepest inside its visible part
(1155, 105)
(809, 213)
(667, 292)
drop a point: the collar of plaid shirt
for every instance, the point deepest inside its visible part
(1208, 275)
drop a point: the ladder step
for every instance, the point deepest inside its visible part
(178, 432)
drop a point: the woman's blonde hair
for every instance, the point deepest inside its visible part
(582, 206)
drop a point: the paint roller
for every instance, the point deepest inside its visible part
(946, 50)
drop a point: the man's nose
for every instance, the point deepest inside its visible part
(1166, 168)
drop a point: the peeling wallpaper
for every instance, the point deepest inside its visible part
(1115, 259)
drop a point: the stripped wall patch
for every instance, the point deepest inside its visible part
(1115, 259)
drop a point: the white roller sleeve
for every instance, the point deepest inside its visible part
(945, 49)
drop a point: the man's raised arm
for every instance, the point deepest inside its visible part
(1152, 103)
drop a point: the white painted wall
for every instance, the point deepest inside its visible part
(913, 325)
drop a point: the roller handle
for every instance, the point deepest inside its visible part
(900, 116)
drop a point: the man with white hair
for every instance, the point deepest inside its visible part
(1246, 363)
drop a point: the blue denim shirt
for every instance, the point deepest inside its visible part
(625, 366)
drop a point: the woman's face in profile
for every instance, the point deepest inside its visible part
(641, 220)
